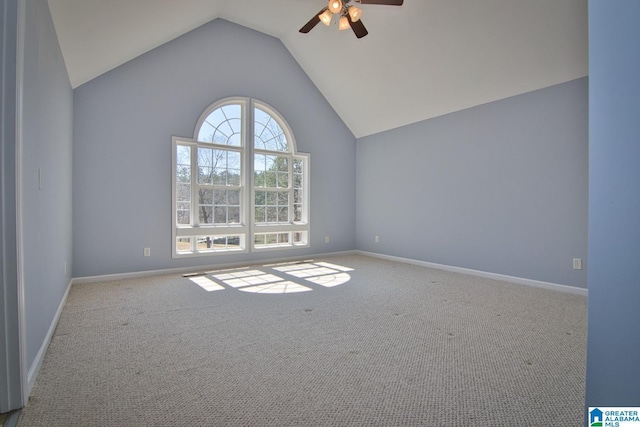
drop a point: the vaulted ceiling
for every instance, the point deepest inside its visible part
(420, 60)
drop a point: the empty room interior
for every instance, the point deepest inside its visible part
(221, 212)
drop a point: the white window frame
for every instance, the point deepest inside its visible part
(247, 228)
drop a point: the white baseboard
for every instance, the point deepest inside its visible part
(184, 270)
(200, 268)
(502, 277)
(37, 362)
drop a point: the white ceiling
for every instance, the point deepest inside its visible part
(420, 60)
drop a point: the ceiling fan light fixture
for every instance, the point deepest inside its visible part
(355, 13)
(335, 6)
(325, 17)
(343, 24)
(348, 15)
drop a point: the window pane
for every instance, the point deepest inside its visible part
(219, 177)
(220, 137)
(271, 163)
(219, 243)
(300, 238)
(218, 167)
(183, 244)
(233, 197)
(233, 242)
(272, 197)
(233, 160)
(270, 179)
(205, 157)
(204, 243)
(183, 155)
(283, 180)
(260, 214)
(183, 173)
(205, 196)
(183, 184)
(234, 215)
(220, 197)
(223, 126)
(268, 133)
(205, 165)
(234, 177)
(297, 165)
(233, 167)
(283, 214)
(184, 216)
(220, 215)
(258, 178)
(205, 175)
(184, 206)
(235, 139)
(206, 132)
(277, 239)
(271, 171)
(272, 214)
(183, 192)
(260, 162)
(206, 215)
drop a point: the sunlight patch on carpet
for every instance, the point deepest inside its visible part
(330, 280)
(285, 287)
(298, 277)
(206, 283)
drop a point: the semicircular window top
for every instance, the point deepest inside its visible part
(239, 185)
(268, 134)
(222, 126)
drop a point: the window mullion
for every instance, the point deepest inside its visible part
(195, 221)
(248, 209)
(291, 209)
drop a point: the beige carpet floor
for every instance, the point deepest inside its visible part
(340, 341)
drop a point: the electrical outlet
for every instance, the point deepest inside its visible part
(577, 263)
(326, 239)
(377, 239)
(147, 251)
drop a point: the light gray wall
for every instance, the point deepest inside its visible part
(123, 124)
(10, 380)
(613, 348)
(47, 119)
(500, 188)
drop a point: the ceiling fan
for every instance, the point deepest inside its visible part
(349, 15)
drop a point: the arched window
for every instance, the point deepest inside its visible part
(239, 184)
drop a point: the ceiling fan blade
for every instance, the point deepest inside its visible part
(312, 22)
(387, 2)
(358, 27)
